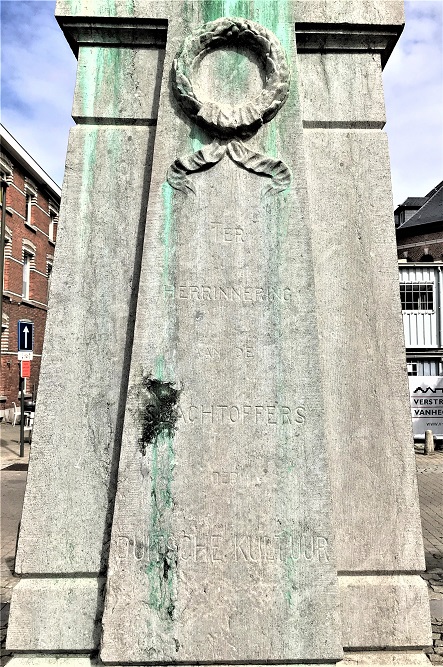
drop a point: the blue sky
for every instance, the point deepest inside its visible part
(38, 76)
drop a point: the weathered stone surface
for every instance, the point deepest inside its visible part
(239, 407)
(362, 358)
(378, 12)
(373, 12)
(381, 611)
(56, 614)
(49, 660)
(87, 327)
(385, 659)
(373, 659)
(342, 89)
(77, 661)
(102, 75)
(226, 314)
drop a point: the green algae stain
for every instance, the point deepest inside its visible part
(160, 366)
(157, 415)
(197, 138)
(275, 15)
(212, 10)
(75, 6)
(86, 81)
(162, 565)
(109, 84)
(100, 80)
(107, 8)
(167, 196)
(238, 8)
(89, 157)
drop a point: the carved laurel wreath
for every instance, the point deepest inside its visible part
(227, 121)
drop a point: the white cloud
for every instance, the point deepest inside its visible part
(38, 75)
(413, 81)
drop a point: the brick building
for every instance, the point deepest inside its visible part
(419, 223)
(32, 205)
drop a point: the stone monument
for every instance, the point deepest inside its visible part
(222, 467)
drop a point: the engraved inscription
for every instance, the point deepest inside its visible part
(274, 414)
(239, 294)
(220, 547)
(220, 233)
(214, 353)
(222, 477)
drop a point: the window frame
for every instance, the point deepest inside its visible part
(49, 267)
(27, 259)
(28, 213)
(417, 290)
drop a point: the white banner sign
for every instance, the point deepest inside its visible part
(426, 394)
(25, 356)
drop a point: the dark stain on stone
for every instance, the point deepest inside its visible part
(170, 611)
(166, 568)
(158, 410)
(169, 567)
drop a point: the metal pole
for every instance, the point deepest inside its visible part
(22, 416)
(2, 244)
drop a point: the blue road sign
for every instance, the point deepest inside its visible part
(25, 336)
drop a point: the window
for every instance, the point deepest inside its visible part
(26, 275)
(5, 333)
(49, 271)
(417, 296)
(53, 220)
(2, 180)
(31, 198)
(51, 228)
(5, 173)
(426, 366)
(28, 209)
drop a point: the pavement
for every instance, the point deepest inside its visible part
(430, 491)
(12, 486)
(430, 485)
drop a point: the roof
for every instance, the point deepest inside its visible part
(431, 212)
(32, 167)
(413, 202)
(434, 190)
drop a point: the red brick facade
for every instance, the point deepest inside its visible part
(421, 247)
(419, 227)
(31, 227)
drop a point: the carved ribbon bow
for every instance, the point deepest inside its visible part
(209, 155)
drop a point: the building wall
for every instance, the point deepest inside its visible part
(421, 297)
(414, 247)
(31, 238)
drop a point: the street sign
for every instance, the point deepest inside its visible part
(25, 369)
(426, 394)
(25, 336)
(25, 356)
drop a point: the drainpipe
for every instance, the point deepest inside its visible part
(2, 243)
